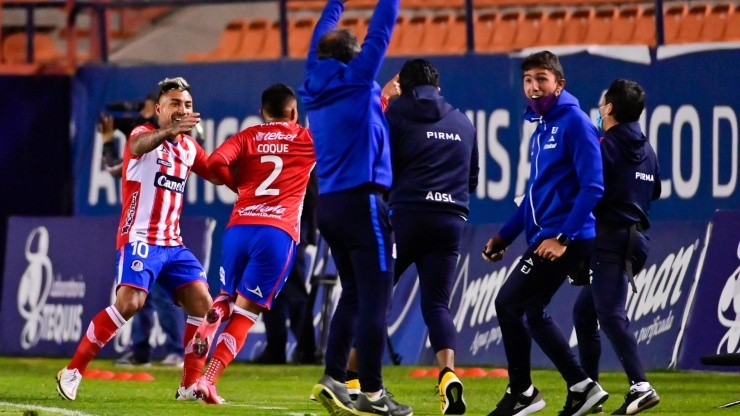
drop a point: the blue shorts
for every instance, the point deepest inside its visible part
(256, 261)
(140, 265)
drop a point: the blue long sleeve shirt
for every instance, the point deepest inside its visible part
(565, 177)
(342, 102)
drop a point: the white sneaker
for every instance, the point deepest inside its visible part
(67, 383)
(173, 360)
(186, 394)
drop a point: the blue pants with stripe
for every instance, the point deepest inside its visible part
(355, 225)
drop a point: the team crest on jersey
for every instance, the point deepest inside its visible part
(137, 265)
(554, 129)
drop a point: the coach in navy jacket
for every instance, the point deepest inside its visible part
(435, 168)
(353, 164)
(631, 182)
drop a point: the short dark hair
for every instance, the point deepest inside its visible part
(627, 99)
(417, 72)
(544, 59)
(275, 98)
(168, 84)
(340, 44)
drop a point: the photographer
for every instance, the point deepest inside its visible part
(108, 124)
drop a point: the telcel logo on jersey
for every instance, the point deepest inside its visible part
(274, 135)
(172, 183)
(47, 321)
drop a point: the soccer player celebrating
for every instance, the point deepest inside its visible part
(269, 165)
(156, 165)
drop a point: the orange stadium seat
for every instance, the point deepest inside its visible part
(623, 28)
(271, 46)
(397, 34)
(435, 35)
(485, 25)
(252, 39)
(575, 29)
(644, 33)
(457, 36)
(414, 30)
(299, 36)
(599, 30)
(228, 45)
(552, 27)
(691, 25)
(732, 32)
(45, 51)
(672, 17)
(529, 29)
(505, 31)
(715, 23)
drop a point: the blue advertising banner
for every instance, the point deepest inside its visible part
(656, 311)
(714, 325)
(59, 272)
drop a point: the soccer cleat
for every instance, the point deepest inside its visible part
(451, 397)
(203, 337)
(333, 395)
(131, 359)
(186, 393)
(637, 401)
(353, 388)
(67, 383)
(383, 405)
(206, 390)
(519, 404)
(598, 410)
(173, 360)
(580, 403)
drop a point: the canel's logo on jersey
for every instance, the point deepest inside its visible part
(169, 182)
(47, 321)
(728, 312)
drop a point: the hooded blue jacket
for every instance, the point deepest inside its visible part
(565, 176)
(631, 177)
(434, 153)
(342, 102)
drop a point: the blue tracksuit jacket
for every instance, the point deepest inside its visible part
(565, 177)
(434, 153)
(343, 105)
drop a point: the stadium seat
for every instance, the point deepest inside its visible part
(552, 27)
(600, 29)
(732, 32)
(45, 51)
(457, 36)
(228, 45)
(505, 31)
(691, 25)
(577, 24)
(252, 39)
(529, 29)
(715, 24)
(672, 16)
(299, 36)
(624, 24)
(485, 24)
(435, 35)
(271, 46)
(644, 33)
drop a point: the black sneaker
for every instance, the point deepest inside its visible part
(383, 405)
(333, 396)
(637, 401)
(577, 404)
(519, 404)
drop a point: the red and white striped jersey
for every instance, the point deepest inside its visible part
(153, 187)
(272, 163)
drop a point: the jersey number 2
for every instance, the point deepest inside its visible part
(264, 188)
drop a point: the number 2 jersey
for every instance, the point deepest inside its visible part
(153, 187)
(270, 164)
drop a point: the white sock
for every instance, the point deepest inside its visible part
(374, 395)
(580, 387)
(642, 386)
(529, 391)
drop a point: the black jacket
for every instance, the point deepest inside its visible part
(631, 177)
(434, 153)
